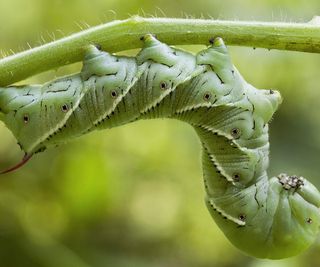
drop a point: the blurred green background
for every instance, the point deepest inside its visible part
(133, 196)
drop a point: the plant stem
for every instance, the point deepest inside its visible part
(123, 35)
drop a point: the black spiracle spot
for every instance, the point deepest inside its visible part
(164, 85)
(65, 108)
(113, 93)
(236, 177)
(235, 133)
(242, 217)
(309, 221)
(207, 96)
(26, 118)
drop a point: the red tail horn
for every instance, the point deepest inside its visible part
(24, 160)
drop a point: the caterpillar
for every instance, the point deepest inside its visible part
(265, 217)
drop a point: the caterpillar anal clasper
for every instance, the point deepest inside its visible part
(265, 217)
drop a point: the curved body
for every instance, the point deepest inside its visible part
(267, 218)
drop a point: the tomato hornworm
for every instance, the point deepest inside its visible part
(265, 217)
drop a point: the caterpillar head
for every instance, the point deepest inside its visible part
(294, 205)
(280, 220)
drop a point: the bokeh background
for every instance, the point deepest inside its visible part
(133, 196)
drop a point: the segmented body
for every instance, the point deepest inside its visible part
(272, 218)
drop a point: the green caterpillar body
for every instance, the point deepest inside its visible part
(267, 218)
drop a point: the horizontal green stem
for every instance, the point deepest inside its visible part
(123, 35)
